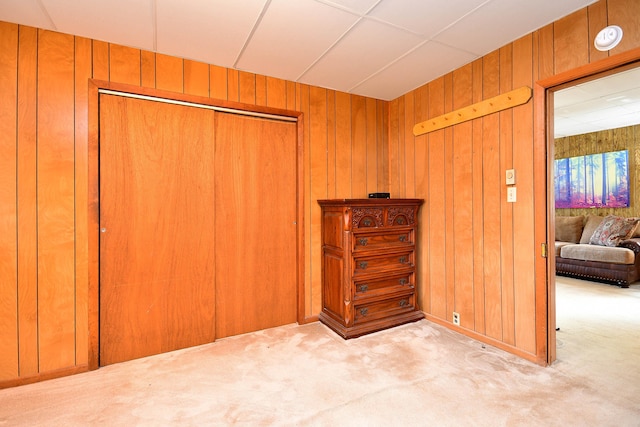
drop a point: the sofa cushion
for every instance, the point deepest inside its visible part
(598, 253)
(591, 222)
(613, 229)
(560, 245)
(569, 228)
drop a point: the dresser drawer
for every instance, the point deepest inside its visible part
(384, 262)
(383, 240)
(383, 286)
(385, 308)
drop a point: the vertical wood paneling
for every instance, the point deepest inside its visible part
(81, 102)
(626, 14)
(436, 206)
(463, 200)
(261, 90)
(276, 93)
(8, 196)
(343, 148)
(394, 137)
(359, 147)
(169, 73)
(331, 144)
(302, 105)
(196, 78)
(56, 207)
(402, 176)
(409, 147)
(571, 41)
(27, 207)
(506, 209)
(523, 209)
(100, 60)
(318, 183)
(218, 81)
(291, 95)
(247, 87)
(449, 204)
(422, 187)
(233, 85)
(124, 65)
(61, 82)
(372, 147)
(147, 69)
(545, 52)
(597, 14)
(492, 178)
(477, 208)
(382, 131)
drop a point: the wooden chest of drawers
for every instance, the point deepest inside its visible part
(368, 264)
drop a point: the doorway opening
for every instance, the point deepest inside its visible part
(574, 81)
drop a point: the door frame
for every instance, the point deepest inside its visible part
(93, 221)
(543, 125)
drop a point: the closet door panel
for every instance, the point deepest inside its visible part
(157, 228)
(255, 222)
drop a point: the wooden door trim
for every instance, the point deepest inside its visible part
(94, 193)
(543, 137)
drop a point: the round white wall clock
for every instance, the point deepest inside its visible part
(608, 38)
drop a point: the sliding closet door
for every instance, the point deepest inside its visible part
(157, 228)
(255, 223)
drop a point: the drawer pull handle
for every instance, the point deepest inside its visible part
(363, 242)
(364, 311)
(400, 220)
(403, 281)
(402, 259)
(403, 303)
(367, 222)
(364, 288)
(402, 238)
(363, 265)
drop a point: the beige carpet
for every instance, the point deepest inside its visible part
(414, 375)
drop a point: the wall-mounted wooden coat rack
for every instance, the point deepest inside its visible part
(488, 106)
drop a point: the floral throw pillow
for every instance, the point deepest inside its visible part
(613, 230)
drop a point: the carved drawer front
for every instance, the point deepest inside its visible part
(400, 216)
(386, 285)
(380, 309)
(367, 217)
(382, 240)
(385, 262)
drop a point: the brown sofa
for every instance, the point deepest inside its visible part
(617, 261)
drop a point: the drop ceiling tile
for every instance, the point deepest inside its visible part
(97, 19)
(292, 35)
(211, 31)
(424, 17)
(26, 12)
(424, 64)
(367, 48)
(499, 22)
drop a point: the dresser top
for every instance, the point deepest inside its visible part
(370, 202)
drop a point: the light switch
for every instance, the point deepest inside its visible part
(511, 176)
(511, 194)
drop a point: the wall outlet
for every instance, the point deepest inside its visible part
(456, 318)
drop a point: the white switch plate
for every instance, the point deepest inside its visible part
(511, 194)
(510, 176)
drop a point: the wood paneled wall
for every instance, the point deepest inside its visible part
(44, 173)
(479, 255)
(626, 138)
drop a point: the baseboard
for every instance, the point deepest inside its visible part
(30, 379)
